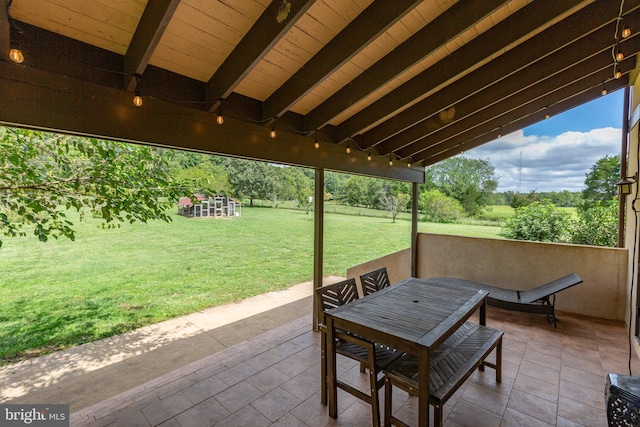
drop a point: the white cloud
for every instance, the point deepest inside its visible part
(548, 163)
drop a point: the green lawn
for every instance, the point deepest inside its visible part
(62, 293)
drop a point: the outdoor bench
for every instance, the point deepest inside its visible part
(451, 364)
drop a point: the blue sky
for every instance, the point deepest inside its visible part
(555, 154)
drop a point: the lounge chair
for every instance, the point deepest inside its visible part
(537, 300)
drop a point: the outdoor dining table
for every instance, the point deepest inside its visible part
(413, 316)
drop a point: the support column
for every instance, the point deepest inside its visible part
(414, 229)
(318, 240)
(623, 166)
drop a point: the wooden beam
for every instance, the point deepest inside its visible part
(529, 83)
(152, 24)
(318, 242)
(540, 97)
(445, 27)
(366, 27)
(261, 38)
(5, 30)
(526, 118)
(500, 36)
(556, 37)
(37, 99)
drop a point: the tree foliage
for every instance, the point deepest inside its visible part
(394, 203)
(597, 226)
(438, 207)
(539, 221)
(601, 182)
(44, 175)
(251, 179)
(470, 181)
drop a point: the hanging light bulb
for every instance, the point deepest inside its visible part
(272, 134)
(619, 56)
(137, 99)
(348, 149)
(626, 32)
(409, 164)
(220, 119)
(617, 74)
(369, 156)
(604, 90)
(15, 54)
(547, 116)
(316, 144)
(390, 160)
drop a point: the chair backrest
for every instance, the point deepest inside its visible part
(374, 280)
(337, 294)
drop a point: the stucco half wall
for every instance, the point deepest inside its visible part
(521, 265)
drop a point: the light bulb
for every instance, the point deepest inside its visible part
(137, 99)
(547, 116)
(617, 74)
(619, 56)
(272, 134)
(348, 149)
(369, 156)
(16, 56)
(603, 91)
(316, 144)
(409, 164)
(220, 119)
(626, 32)
(390, 161)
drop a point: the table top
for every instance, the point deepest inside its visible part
(412, 315)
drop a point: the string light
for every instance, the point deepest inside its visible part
(391, 159)
(547, 116)
(626, 32)
(409, 164)
(604, 90)
(617, 74)
(348, 150)
(272, 134)
(220, 119)
(369, 156)
(619, 56)
(316, 144)
(15, 54)
(137, 99)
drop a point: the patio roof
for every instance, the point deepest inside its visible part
(406, 80)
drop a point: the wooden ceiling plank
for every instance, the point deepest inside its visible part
(454, 21)
(542, 70)
(253, 47)
(504, 117)
(5, 30)
(153, 23)
(563, 105)
(367, 26)
(507, 32)
(554, 38)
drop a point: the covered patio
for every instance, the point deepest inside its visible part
(381, 88)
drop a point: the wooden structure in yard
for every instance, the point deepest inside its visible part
(214, 206)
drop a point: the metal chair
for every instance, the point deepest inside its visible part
(374, 280)
(370, 355)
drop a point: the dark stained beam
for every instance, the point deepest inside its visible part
(582, 22)
(5, 30)
(153, 23)
(366, 27)
(261, 38)
(578, 99)
(446, 26)
(37, 99)
(561, 84)
(508, 31)
(552, 103)
(568, 63)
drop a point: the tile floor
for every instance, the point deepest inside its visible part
(550, 377)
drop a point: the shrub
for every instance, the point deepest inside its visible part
(438, 207)
(597, 226)
(542, 222)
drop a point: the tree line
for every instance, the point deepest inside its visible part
(42, 172)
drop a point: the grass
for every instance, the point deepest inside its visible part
(61, 293)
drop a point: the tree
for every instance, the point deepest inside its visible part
(521, 199)
(394, 204)
(251, 179)
(601, 182)
(470, 181)
(44, 175)
(438, 207)
(539, 221)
